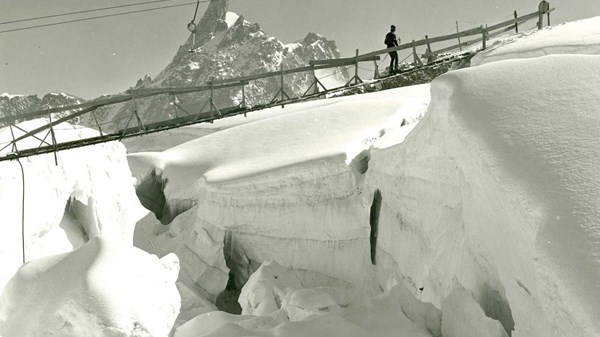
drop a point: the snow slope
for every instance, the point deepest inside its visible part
(498, 188)
(579, 37)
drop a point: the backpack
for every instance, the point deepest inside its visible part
(388, 40)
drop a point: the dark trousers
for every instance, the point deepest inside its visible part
(394, 60)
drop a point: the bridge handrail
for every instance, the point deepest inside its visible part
(313, 65)
(428, 41)
(214, 84)
(119, 98)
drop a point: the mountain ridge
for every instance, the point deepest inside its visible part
(225, 45)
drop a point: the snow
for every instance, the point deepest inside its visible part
(489, 205)
(231, 18)
(62, 94)
(331, 126)
(88, 193)
(104, 287)
(579, 37)
(502, 193)
(283, 198)
(266, 288)
(9, 96)
(468, 207)
(276, 304)
(290, 47)
(463, 317)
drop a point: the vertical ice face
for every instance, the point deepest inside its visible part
(261, 190)
(498, 187)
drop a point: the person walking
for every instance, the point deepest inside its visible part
(391, 41)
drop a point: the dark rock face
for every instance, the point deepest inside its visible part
(17, 105)
(225, 46)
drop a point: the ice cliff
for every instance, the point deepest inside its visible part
(13, 105)
(259, 190)
(85, 193)
(497, 187)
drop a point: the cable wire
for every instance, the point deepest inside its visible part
(22, 210)
(99, 17)
(81, 12)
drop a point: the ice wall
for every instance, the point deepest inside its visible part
(284, 187)
(497, 188)
(89, 192)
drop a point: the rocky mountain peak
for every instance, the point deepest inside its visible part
(225, 46)
(13, 105)
(212, 21)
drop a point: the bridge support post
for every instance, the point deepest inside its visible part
(428, 51)
(416, 58)
(483, 37)
(97, 123)
(314, 84)
(14, 143)
(281, 91)
(355, 78)
(243, 102)
(516, 23)
(53, 138)
(137, 117)
(457, 31)
(213, 107)
(376, 74)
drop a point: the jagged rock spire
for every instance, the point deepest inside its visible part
(214, 14)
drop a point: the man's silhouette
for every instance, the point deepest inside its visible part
(391, 41)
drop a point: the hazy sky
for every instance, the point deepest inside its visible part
(93, 57)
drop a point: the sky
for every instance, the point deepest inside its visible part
(106, 56)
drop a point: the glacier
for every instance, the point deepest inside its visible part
(491, 199)
(85, 193)
(468, 207)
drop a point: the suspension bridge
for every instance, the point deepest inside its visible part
(45, 140)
